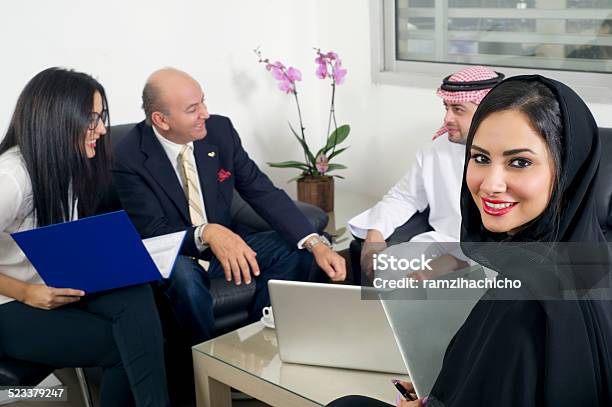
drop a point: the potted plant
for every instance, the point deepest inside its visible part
(314, 183)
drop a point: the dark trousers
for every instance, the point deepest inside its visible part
(188, 287)
(357, 401)
(118, 330)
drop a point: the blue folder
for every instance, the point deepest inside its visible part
(91, 254)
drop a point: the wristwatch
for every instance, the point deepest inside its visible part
(200, 241)
(315, 240)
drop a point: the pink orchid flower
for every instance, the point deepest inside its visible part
(329, 65)
(277, 73)
(286, 87)
(286, 76)
(322, 71)
(322, 163)
(294, 74)
(339, 74)
(327, 61)
(321, 61)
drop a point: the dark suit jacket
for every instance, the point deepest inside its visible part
(152, 195)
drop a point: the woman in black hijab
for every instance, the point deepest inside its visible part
(522, 194)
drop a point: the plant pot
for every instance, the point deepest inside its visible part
(318, 191)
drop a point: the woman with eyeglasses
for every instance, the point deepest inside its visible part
(54, 166)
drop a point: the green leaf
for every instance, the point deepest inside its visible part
(335, 153)
(338, 136)
(337, 167)
(321, 151)
(289, 164)
(304, 146)
(338, 176)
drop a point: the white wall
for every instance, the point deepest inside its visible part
(121, 42)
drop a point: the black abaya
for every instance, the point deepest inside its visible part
(538, 350)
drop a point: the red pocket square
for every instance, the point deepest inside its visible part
(222, 175)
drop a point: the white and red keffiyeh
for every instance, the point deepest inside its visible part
(467, 85)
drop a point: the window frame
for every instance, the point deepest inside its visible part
(593, 87)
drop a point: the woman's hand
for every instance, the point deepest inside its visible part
(45, 297)
(402, 402)
(406, 403)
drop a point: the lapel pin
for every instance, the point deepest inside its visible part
(211, 154)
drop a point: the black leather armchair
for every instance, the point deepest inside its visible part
(419, 222)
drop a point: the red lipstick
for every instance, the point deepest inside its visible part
(496, 207)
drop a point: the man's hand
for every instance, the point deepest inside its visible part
(331, 262)
(374, 236)
(236, 257)
(45, 297)
(374, 243)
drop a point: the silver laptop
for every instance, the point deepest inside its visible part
(423, 328)
(331, 325)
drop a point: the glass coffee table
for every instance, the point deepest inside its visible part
(247, 360)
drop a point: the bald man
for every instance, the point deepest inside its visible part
(177, 171)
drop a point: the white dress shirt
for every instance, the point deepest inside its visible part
(173, 151)
(16, 215)
(435, 181)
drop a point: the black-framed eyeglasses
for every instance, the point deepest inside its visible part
(95, 117)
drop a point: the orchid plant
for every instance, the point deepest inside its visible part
(329, 66)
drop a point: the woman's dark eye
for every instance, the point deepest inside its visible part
(480, 159)
(520, 163)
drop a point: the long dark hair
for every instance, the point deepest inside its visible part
(541, 107)
(49, 125)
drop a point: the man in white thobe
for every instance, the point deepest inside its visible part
(435, 178)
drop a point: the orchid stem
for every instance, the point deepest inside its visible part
(332, 114)
(297, 103)
(331, 109)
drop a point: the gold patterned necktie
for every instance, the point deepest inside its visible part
(192, 189)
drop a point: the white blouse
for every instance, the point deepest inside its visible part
(16, 214)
